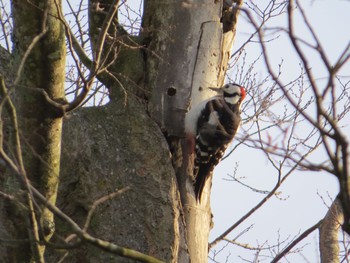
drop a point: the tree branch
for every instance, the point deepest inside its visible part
(285, 251)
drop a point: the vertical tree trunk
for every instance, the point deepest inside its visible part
(329, 233)
(189, 53)
(39, 52)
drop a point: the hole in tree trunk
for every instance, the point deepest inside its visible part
(171, 91)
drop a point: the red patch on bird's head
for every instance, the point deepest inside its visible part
(243, 93)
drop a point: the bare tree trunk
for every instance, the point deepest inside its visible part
(39, 52)
(190, 63)
(195, 58)
(329, 233)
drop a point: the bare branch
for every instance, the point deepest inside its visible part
(295, 242)
(103, 33)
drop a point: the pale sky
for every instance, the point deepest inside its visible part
(300, 205)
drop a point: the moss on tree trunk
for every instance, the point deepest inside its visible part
(39, 63)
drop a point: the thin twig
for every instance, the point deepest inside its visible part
(100, 201)
(296, 241)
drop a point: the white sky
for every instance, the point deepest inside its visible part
(301, 206)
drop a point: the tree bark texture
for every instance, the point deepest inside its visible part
(110, 148)
(6, 60)
(329, 233)
(39, 68)
(5, 63)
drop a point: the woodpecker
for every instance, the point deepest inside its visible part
(210, 126)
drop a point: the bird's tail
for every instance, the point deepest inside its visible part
(201, 178)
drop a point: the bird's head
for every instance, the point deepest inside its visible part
(232, 93)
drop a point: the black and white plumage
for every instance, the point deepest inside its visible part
(210, 126)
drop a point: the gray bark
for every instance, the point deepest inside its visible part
(109, 148)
